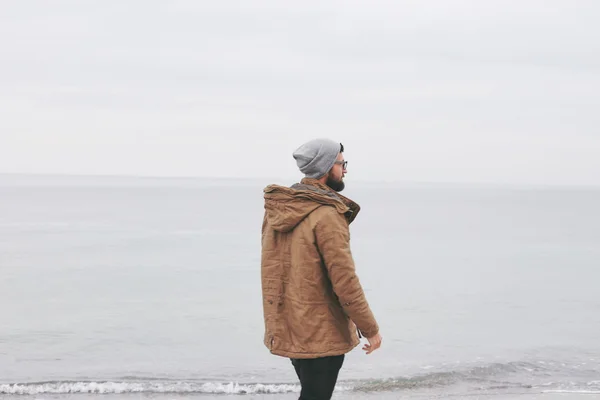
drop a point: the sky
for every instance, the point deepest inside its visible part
(496, 91)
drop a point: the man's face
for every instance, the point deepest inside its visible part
(335, 180)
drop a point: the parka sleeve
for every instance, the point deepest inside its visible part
(333, 240)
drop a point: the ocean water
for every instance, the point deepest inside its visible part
(131, 287)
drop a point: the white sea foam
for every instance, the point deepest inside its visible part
(144, 387)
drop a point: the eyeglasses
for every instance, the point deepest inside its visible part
(344, 164)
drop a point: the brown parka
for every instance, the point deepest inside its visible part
(313, 301)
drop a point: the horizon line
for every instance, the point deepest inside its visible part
(298, 178)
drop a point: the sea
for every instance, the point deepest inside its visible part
(129, 288)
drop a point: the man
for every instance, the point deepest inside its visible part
(314, 306)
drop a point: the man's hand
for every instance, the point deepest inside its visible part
(374, 344)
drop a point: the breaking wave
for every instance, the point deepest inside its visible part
(66, 387)
(491, 377)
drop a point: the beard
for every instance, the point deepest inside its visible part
(336, 185)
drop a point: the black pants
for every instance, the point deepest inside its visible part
(317, 376)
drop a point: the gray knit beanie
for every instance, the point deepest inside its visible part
(316, 158)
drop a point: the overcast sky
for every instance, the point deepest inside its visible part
(504, 91)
